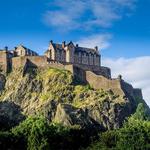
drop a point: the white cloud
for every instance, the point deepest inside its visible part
(134, 70)
(100, 40)
(72, 14)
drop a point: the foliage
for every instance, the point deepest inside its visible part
(36, 133)
(134, 135)
(140, 113)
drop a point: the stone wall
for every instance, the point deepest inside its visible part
(128, 88)
(79, 71)
(119, 87)
(18, 62)
(99, 70)
(4, 60)
(100, 82)
(33, 61)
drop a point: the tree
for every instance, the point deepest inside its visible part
(140, 113)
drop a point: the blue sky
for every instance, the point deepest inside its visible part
(25, 22)
(121, 29)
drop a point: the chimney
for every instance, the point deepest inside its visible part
(96, 48)
(77, 45)
(51, 41)
(63, 44)
(15, 48)
(6, 48)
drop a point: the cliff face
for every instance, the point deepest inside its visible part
(61, 98)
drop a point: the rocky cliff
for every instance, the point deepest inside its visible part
(58, 96)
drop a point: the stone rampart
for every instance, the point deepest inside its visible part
(18, 62)
(3, 61)
(99, 70)
(33, 61)
(100, 82)
(119, 87)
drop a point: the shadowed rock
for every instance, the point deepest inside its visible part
(10, 115)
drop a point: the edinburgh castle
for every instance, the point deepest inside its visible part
(84, 63)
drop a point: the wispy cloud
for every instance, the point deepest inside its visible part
(72, 14)
(134, 70)
(100, 40)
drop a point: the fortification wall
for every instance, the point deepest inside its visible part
(3, 61)
(119, 87)
(99, 70)
(35, 61)
(104, 71)
(55, 64)
(38, 61)
(100, 82)
(128, 88)
(18, 62)
(30, 61)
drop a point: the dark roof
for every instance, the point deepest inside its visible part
(88, 50)
(77, 49)
(57, 46)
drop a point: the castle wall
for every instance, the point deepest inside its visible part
(39, 61)
(18, 62)
(104, 71)
(55, 64)
(4, 60)
(33, 61)
(128, 88)
(100, 82)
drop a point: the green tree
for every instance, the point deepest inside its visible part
(35, 131)
(140, 113)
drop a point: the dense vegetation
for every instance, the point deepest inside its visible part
(36, 133)
(134, 135)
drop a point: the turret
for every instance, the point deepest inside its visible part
(6, 48)
(51, 42)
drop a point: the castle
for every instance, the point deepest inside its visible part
(84, 63)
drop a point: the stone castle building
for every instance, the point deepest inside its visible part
(84, 63)
(7, 55)
(74, 54)
(87, 58)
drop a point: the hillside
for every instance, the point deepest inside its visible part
(61, 98)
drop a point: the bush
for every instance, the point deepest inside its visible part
(36, 133)
(134, 135)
